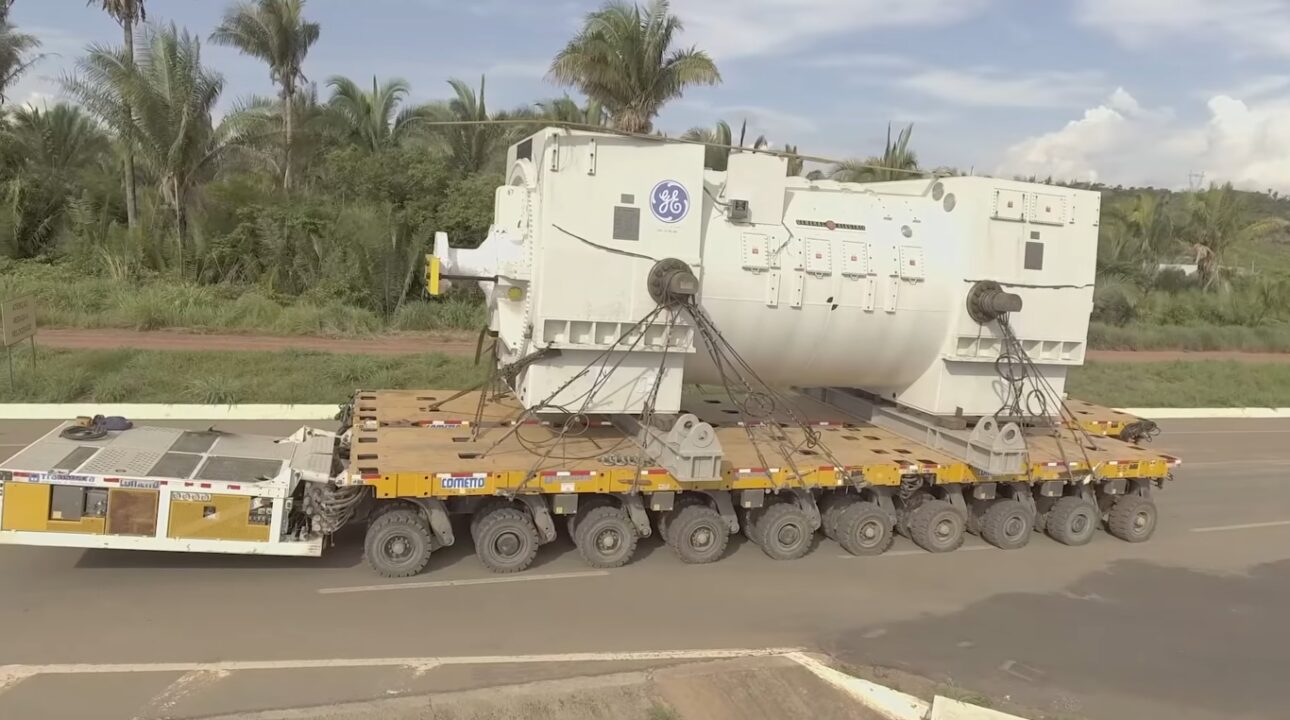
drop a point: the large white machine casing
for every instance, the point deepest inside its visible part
(815, 283)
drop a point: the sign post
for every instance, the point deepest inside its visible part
(18, 323)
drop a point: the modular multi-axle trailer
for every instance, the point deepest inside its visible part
(420, 467)
(646, 316)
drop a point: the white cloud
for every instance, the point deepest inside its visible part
(1120, 142)
(988, 87)
(1248, 26)
(730, 29)
(857, 60)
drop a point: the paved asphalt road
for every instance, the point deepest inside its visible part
(1190, 625)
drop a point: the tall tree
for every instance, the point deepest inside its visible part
(373, 120)
(897, 162)
(15, 51)
(1218, 220)
(473, 142)
(624, 59)
(259, 120)
(171, 96)
(276, 32)
(127, 14)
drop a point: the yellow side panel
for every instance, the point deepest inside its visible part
(26, 506)
(432, 274)
(223, 517)
(86, 525)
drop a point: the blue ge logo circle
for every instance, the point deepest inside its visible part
(669, 201)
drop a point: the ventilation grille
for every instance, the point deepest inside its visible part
(836, 226)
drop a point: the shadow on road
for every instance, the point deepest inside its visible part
(1169, 641)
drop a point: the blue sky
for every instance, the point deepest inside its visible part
(1125, 91)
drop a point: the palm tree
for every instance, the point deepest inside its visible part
(15, 51)
(373, 120)
(169, 96)
(276, 32)
(566, 110)
(1217, 221)
(719, 141)
(259, 120)
(472, 143)
(58, 139)
(624, 59)
(127, 13)
(898, 162)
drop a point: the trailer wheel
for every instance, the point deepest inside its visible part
(752, 516)
(1072, 521)
(863, 528)
(606, 537)
(784, 532)
(698, 535)
(665, 518)
(398, 543)
(1132, 518)
(1007, 524)
(936, 526)
(484, 509)
(506, 541)
(584, 508)
(833, 509)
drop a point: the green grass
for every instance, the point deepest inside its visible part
(1273, 337)
(69, 299)
(1198, 383)
(223, 377)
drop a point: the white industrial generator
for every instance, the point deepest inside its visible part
(908, 292)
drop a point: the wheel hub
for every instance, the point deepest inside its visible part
(945, 529)
(398, 548)
(870, 531)
(1079, 523)
(789, 535)
(608, 541)
(702, 538)
(1141, 521)
(507, 544)
(1014, 527)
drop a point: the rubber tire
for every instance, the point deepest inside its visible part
(924, 520)
(1122, 519)
(665, 518)
(498, 522)
(691, 519)
(752, 516)
(413, 528)
(831, 513)
(1065, 515)
(485, 508)
(776, 519)
(598, 521)
(584, 507)
(851, 525)
(996, 522)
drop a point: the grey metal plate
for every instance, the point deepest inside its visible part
(313, 455)
(75, 458)
(238, 469)
(195, 442)
(175, 465)
(244, 446)
(147, 438)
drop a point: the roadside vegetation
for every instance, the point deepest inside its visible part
(221, 377)
(310, 211)
(296, 376)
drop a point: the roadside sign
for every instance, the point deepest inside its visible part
(17, 320)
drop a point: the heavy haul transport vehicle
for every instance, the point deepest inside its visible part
(681, 352)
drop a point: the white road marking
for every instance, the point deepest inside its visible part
(906, 553)
(20, 672)
(1209, 463)
(1247, 526)
(167, 699)
(460, 583)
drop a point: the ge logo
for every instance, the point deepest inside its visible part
(669, 201)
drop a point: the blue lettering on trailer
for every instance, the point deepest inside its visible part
(462, 483)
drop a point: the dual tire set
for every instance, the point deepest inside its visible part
(399, 541)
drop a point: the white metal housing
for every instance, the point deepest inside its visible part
(816, 283)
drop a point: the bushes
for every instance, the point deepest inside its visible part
(1195, 338)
